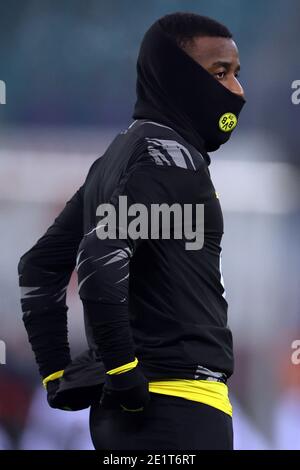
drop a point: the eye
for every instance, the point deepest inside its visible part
(220, 75)
(237, 74)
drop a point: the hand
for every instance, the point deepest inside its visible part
(53, 399)
(72, 400)
(128, 391)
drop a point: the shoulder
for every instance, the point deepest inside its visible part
(162, 146)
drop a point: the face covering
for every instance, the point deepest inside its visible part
(175, 90)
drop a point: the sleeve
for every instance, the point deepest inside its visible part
(44, 274)
(103, 264)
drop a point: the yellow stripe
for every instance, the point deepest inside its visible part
(211, 393)
(124, 368)
(54, 376)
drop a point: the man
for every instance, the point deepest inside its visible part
(155, 312)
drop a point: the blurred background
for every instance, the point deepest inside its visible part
(69, 69)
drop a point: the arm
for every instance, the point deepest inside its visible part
(103, 267)
(44, 274)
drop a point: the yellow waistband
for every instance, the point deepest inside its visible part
(211, 393)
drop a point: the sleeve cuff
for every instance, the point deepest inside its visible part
(124, 368)
(54, 376)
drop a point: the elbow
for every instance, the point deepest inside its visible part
(103, 269)
(27, 269)
(23, 264)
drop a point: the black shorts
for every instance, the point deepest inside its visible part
(167, 423)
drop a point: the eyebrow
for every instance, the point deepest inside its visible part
(226, 65)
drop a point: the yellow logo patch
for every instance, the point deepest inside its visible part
(227, 122)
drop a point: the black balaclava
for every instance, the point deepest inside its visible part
(173, 89)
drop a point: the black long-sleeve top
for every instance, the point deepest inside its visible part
(146, 298)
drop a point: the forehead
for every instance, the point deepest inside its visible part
(213, 49)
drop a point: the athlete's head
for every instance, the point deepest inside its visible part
(209, 43)
(187, 78)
